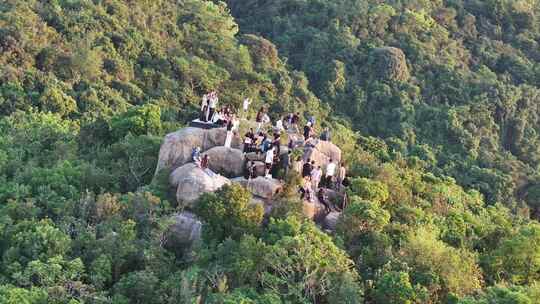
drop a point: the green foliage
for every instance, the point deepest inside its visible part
(395, 287)
(516, 258)
(229, 212)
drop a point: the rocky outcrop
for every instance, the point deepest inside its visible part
(330, 221)
(183, 233)
(226, 161)
(176, 148)
(191, 182)
(313, 210)
(266, 188)
(389, 63)
(322, 152)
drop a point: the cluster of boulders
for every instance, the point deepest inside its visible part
(227, 165)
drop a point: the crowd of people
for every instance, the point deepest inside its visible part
(315, 181)
(267, 145)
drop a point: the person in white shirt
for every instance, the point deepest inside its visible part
(245, 106)
(330, 172)
(269, 160)
(316, 175)
(204, 108)
(213, 103)
(279, 126)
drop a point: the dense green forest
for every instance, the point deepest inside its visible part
(435, 104)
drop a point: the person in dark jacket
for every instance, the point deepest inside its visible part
(306, 169)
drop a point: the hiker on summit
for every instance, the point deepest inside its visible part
(330, 173)
(295, 119)
(286, 162)
(278, 128)
(276, 143)
(269, 161)
(323, 198)
(245, 106)
(196, 156)
(342, 175)
(228, 139)
(306, 169)
(307, 131)
(249, 141)
(325, 135)
(259, 119)
(212, 103)
(316, 175)
(204, 108)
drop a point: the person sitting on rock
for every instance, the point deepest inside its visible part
(250, 171)
(196, 156)
(219, 119)
(323, 199)
(204, 165)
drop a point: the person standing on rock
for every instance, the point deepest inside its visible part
(297, 164)
(228, 139)
(311, 120)
(278, 128)
(286, 162)
(249, 140)
(330, 173)
(316, 175)
(213, 103)
(342, 174)
(306, 169)
(268, 161)
(325, 135)
(307, 131)
(196, 156)
(259, 119)
(294, 122)
(277, 143)
(204, 108)
(245, 106)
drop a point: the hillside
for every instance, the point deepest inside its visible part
(434, 105)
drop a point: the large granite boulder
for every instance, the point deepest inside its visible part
(191, 182)
(263, 187)
(313, 210)
(226, 161)
(176, 148)
(322, 152)
(331, 219)
(183, 233)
